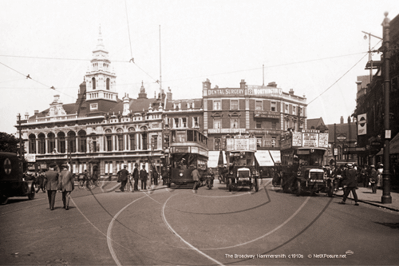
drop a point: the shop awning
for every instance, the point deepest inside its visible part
(393, 146)
(276, 156)
(224, 157)
(213, 158)
(264, 158)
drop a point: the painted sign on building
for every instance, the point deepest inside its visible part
(225, 92)
(362, 124)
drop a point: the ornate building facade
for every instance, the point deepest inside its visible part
(260, 111)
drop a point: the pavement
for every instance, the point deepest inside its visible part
(365, 196)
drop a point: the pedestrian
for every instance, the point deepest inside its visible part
(123, 176)
(136, 177)
(210, 178)
(196, 177)
(86, 178)
(364, 176)
(155, 176)
(40, 182)
(143, 178)
(51, 185)
(373, 179)
(66, 185)
(349, 182)
(379, 176)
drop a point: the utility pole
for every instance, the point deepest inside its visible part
(386, 196)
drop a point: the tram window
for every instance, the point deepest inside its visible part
(173, 136)
(195, 136)
(190, 135)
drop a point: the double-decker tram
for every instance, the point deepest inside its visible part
(187, 151)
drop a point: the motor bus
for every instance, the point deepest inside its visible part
(240, 156)
(302, 162)
(187, 149)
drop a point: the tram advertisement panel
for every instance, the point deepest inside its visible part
(241, 144)
(310, 139)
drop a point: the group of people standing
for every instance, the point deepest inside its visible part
(124, 177)
(56, 180)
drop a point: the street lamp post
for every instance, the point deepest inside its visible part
(386, 196)
(20, 136)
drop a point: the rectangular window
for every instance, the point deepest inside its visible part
(258, 105)
(217, 144)
(234, 105)
(154, 142)
(234, 123)
(259, 142)
(294, 110)
(184, 122)
(258, 124)
(273, 106)
(274, 125)
(195, 122)
(217, 123)
(93, 106)
(286, 108)
(106, 167)
(176, 123)
(217, 105)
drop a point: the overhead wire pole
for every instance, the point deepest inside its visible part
(370, 51)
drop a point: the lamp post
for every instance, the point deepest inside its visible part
(386, 196)
(370, 51)
(20, 136)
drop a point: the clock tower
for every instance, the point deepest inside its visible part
(100, 80)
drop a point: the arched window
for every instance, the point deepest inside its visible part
(82, 141)
(108, 139)
(71, 141)
(50, 142)
(32, 143)
(108, 84)
(61, 142)
(93, 143)
(42, 143)
(93, 80)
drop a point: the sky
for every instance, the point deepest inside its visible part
(316, 48)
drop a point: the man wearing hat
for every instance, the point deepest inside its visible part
(373, 179)
(66, 185)
(349, 182)
(123, 174)
(136, 177)
(52, 184)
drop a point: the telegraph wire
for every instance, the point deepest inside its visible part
(341, 76)
(29, 77)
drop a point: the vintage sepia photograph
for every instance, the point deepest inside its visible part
(199, 132)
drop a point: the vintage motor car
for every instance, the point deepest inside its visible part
(314, 181)
(244, 177)
(12, 180)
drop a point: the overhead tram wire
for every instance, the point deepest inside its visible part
(188, 78)
(341, 76)
(29, 77)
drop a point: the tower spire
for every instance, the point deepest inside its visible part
(100, 44)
